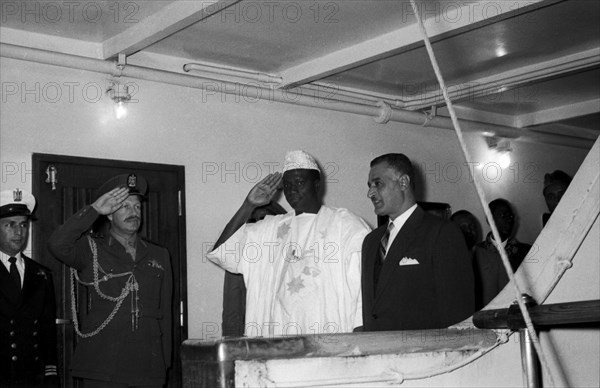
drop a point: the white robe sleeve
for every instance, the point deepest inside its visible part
(353, 239)
(229, 254)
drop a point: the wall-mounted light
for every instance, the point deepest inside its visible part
(501, 150)
(119, 93)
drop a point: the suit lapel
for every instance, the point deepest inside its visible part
(398, 249)
(31, 280)
(371, 254)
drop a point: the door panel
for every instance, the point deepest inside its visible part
(163, 223)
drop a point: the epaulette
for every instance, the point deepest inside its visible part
(147, 241)
(96, 235)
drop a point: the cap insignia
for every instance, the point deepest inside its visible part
(132, 180)
(17, 195)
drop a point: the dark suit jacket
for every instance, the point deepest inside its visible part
(27, 325)
(435, 293)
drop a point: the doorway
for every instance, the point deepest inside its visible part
(62, 185)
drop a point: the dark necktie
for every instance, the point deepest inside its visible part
(384, 241)
(382, 252)
(14, 272)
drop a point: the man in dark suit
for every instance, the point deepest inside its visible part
(416, 272)
(490, 275)
(28, 350)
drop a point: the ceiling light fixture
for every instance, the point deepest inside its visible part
(501, 150)
(119, 93)
(500, 51)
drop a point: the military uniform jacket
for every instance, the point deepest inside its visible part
(123, 351)
(426, 280)
(27, 325)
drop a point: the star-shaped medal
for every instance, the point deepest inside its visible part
(282, 231)
(295, 285)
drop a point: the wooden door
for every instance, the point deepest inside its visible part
(76, 182)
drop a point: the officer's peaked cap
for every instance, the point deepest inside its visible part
(136, 184)
(16, 203)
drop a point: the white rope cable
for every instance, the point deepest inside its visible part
(390, 376)
(481, 195)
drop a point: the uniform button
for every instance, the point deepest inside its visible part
(35, 322)
(12, 333)
(37, 358)
(374, 316)
(35, 333)
(14, 358)
(35, 346)
(14, 346)
(12, 321)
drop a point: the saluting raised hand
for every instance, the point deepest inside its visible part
(111, 201)
(264, 191)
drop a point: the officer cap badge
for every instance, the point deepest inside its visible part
(131, 181)
(17, 195)
(137, 185)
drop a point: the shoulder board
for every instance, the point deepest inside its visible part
(96, 235)
(149, 241)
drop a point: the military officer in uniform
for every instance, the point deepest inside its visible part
(27, 304)
(125, 335)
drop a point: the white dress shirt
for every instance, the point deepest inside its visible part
(398, 224)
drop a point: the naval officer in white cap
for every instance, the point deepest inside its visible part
(27, 304)
(302, 269)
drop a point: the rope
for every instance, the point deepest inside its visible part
(390, 376)
(481, 196)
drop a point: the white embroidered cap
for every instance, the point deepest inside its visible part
(299, 159)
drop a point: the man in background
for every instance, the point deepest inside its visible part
(555, 185)
(416, 270)
(28, 352)
(469, 226)
(490, 275)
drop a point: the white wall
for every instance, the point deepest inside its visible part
(183, 126)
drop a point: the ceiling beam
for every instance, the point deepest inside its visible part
(565, 112)
(464, 16)
(508, 80)
(58, 44)
(168, 20)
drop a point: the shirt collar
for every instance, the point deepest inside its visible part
(123, 241)
(401, 219)
(4, 257)
(490, 237)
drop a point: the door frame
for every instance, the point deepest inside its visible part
(40, 160)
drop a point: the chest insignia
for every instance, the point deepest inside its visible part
(155, 264)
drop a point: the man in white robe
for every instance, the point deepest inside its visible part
(301, 269)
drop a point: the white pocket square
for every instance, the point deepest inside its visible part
(408, 261)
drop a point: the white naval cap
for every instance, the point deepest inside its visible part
(299, 159)
(16, 203)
